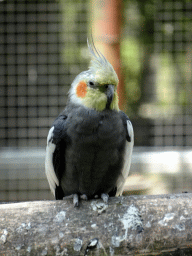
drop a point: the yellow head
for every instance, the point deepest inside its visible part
(96, 88)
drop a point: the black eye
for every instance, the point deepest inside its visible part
(91, 83)
(106, 86)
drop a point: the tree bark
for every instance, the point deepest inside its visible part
(134, 225)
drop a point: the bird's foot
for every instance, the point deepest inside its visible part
(105, 197)
(84, 197)
(75, 200)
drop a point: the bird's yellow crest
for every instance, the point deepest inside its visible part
(99, 66)
(89, 87)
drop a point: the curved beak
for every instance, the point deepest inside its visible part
(109, 93)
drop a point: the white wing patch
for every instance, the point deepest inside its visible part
(49, 169)
(127, 160)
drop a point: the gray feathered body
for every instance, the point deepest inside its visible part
(89, 150)
(90, 144)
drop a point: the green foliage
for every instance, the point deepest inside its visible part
(131, 60)
(173, 67)
(74, 20)
(138, 36)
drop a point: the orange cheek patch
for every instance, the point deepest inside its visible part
(81, 89)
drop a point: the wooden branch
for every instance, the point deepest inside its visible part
(132, 225)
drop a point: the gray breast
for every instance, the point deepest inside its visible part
(95, 151)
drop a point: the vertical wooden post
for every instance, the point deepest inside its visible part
(106, 20)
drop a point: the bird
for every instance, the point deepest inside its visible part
(90, 144)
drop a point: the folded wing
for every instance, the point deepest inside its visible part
(127, 157)
(54, 162)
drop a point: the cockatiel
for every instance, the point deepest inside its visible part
(89, 146)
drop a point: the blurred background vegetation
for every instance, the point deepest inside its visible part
(155, 61)
(43, 47)
(158, 43)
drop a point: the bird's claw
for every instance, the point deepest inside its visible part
(75, 200)
(84, 197)
(105, 197)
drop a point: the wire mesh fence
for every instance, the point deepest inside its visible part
(43, 47)
(38, 61)
(22, 175)
(173, 44)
